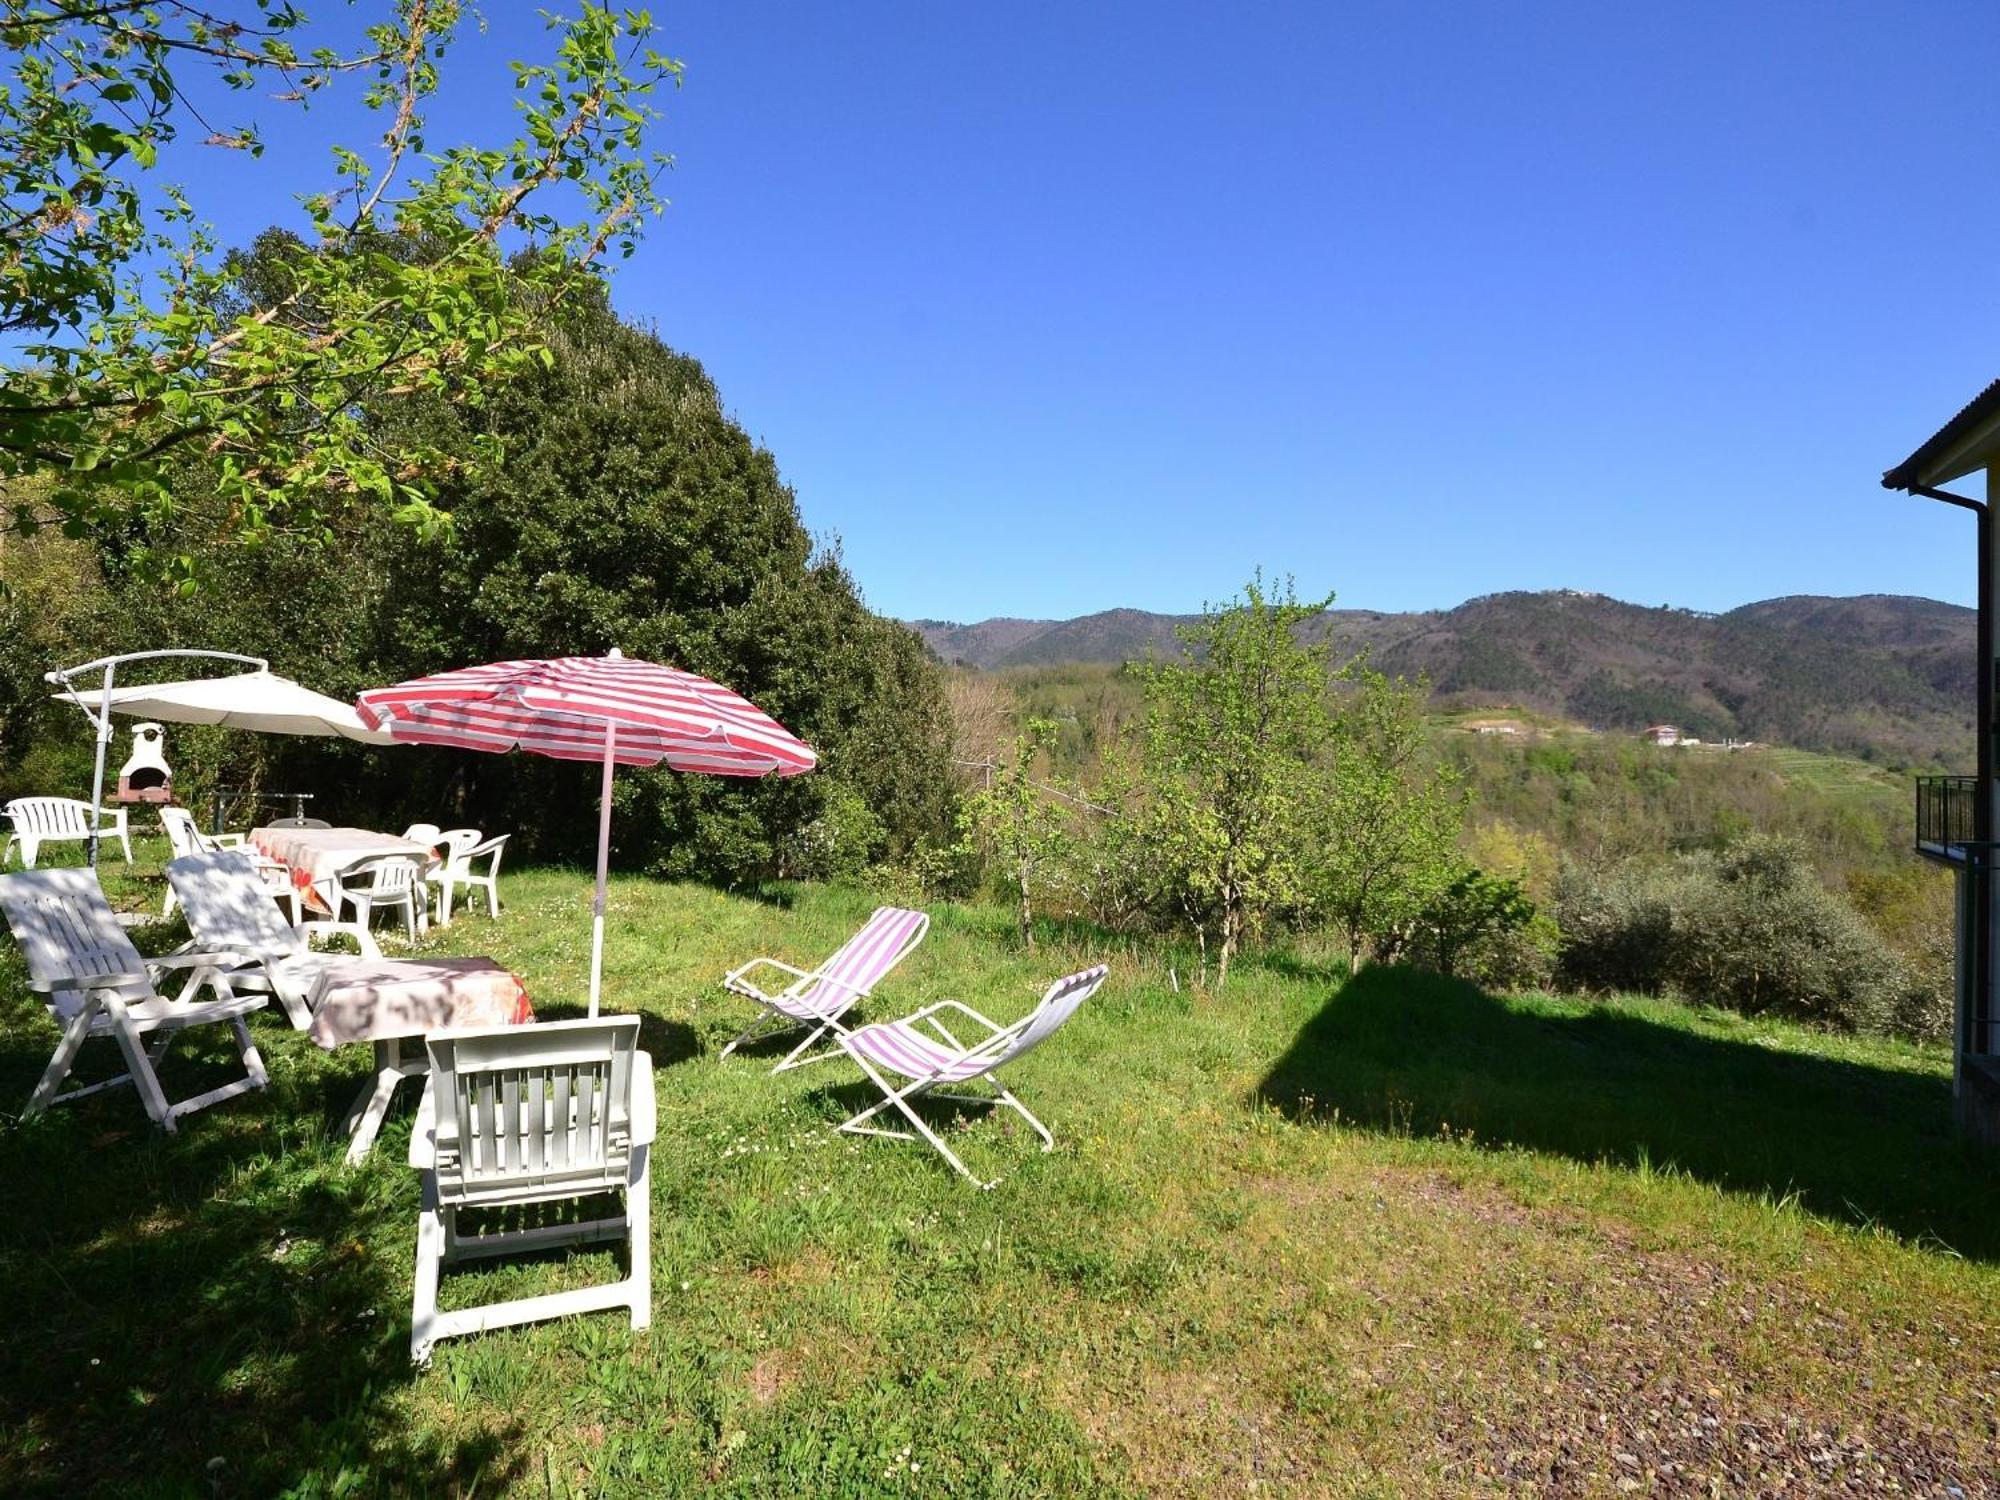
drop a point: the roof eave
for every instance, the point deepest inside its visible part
(1969, 441)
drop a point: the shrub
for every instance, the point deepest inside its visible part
(1752, 929)
(1484, 928)
(838, 842)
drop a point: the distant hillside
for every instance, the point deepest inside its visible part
(1883, 676)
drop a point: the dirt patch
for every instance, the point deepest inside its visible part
(1459, 1341)
(1201, 1433)
(771, 1374)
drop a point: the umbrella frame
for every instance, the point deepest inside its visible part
(100, 717)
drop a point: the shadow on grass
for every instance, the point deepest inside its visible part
(668, 1042)
(1406, 1052)
(219, 1312)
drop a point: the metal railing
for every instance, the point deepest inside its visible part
(1945, 813)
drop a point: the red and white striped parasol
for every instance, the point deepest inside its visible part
(608, 708)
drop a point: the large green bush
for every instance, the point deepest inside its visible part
(1752, 928)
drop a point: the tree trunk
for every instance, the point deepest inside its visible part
(1232, 921)
(1027, 912)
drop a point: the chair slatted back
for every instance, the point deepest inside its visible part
(883, 942)
(383, 872)
(61, 817)
(524, 1106)
(66, 928)
(229, 908)
(458, 843)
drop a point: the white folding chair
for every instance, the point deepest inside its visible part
(230, 911)
(384, 882)
(817, 1000)
(523, 1115)
(935, 1057)
(465, 846)
(95, 984)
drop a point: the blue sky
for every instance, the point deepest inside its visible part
(1050, 308)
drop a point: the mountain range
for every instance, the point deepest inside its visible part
(1887, 677)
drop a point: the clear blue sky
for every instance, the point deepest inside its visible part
(1049, 308)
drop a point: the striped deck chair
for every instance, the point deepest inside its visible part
(230, 910)
(929, 1059)
(83, 965)
(817, 1000)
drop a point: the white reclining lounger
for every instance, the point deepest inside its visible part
(936, 1056)
(818, 1000)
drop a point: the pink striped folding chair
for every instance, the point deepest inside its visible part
(818, 1000)
(930, 1059)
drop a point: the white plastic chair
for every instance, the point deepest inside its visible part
(818, 1000)
(229, 911)
(426, 834)
(519, 1115)
(384, 881)
(458, 869)
(35, 821)
(95, 984)
(929, 1059)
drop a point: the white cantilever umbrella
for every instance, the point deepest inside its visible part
(259, 701)
(628, 713)
(256, 700)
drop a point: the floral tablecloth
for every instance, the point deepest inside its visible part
(371, 1000)
(315, 856)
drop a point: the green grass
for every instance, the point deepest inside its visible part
(1387, 1237)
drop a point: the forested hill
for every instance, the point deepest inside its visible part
(1883, 676)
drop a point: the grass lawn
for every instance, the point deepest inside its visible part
(1386, 1237)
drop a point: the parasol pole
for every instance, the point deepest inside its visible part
(603, 864)
(103, 745)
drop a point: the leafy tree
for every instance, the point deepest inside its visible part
(1024, 827)
(136, 343)
(1227, 756)
(633, 512)
(1387, 823)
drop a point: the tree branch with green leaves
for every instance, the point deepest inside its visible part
(416, 270)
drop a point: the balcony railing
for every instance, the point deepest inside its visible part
(1944, 815)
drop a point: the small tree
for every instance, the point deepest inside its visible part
(1026, 829)
(1228, 746)
(1387, 828)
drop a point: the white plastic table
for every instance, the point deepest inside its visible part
(385, 1000)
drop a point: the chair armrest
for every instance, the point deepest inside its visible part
(225, 840)
(182, 959)
(965, 1010)
(423, 1131)
(645, 1114)
(87, 982)
(734, 979)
